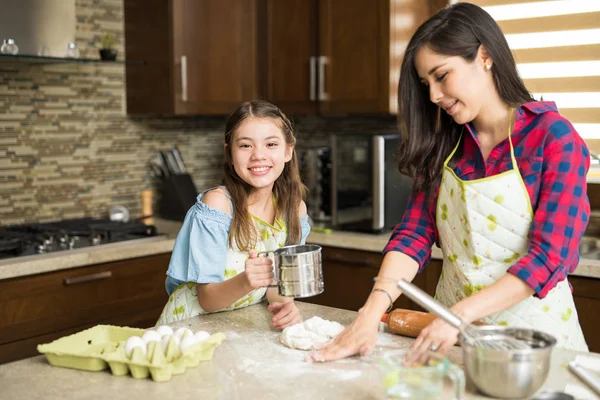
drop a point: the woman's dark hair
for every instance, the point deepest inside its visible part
(429, 135)
(288, 188)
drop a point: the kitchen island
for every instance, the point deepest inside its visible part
(250, 364)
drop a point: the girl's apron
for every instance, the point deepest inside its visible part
(483, 227)
(183, 302)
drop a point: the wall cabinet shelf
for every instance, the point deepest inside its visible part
(33, 59)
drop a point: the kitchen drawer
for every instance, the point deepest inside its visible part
(41, 304)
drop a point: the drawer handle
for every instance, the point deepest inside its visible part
(88, 278)
(346, 260)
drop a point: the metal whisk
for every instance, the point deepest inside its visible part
(473, 336)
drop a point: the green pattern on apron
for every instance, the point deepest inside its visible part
(183, 302)
(483, 226)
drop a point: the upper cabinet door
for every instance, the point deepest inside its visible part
(214, 48)
(200, 54)
(288, 33)
(354, 62)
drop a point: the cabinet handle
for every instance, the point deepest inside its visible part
(346, 260)
(184, 82)
(323, 60)
(88, 278)
(313, 78)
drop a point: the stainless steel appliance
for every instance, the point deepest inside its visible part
(368, 194)
(31, 239)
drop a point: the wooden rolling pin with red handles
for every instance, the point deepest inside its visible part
(410, 323)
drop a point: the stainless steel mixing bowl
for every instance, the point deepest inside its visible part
(508, 374)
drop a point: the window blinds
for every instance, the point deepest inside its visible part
(556, 44)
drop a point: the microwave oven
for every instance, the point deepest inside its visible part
(354, 183)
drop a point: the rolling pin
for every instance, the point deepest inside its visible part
(410, 323)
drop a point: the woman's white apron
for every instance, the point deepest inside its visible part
(483, 228)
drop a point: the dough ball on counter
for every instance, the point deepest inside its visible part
(309, 334)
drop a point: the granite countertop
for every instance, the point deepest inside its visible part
(37, 264)
(250, 364)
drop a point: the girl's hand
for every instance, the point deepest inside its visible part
(286, 314)
(258, 270)
(358, 337)
(438, 336)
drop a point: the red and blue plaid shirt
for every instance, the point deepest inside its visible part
(553, 161)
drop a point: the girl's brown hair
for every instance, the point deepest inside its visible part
(288, 188)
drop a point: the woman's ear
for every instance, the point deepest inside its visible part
(484, 57)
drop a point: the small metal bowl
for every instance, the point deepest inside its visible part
(489, 369)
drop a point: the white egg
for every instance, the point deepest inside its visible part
(164, 330)
(132, 343)
(151, 336)
(183, 332)
(201, 336)
(187, 342)
(164, 342)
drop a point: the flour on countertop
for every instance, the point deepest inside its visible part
(308, 335)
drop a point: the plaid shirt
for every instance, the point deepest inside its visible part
(553, 161)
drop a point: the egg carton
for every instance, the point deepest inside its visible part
(103, 346)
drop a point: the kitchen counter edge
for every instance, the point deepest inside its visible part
(31, 265)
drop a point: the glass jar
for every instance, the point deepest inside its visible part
(9, 47)
(72, 50)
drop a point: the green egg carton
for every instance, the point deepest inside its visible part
(103, 346)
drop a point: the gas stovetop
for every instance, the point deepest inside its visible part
(26, 240)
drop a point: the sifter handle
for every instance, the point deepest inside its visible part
(426, 301)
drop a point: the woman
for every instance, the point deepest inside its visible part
(499, 184)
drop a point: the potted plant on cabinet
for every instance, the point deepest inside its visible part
(107, 49)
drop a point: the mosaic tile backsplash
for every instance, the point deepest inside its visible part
(68, 150)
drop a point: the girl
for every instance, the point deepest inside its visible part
(214, 265)
(499, 184)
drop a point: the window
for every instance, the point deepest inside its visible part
(556, 44)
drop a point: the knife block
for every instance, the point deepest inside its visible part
(178, 194)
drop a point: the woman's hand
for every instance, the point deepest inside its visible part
(258, 270)
(358, 337)
(437, 336)
(286, 314)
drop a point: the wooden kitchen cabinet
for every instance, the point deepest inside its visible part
(326, 56)
(586, 293)
(348, 276)
(200, 55)
(40, 308)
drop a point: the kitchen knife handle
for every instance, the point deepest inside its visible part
(184, 81)
(88, 278)
(312, 85)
